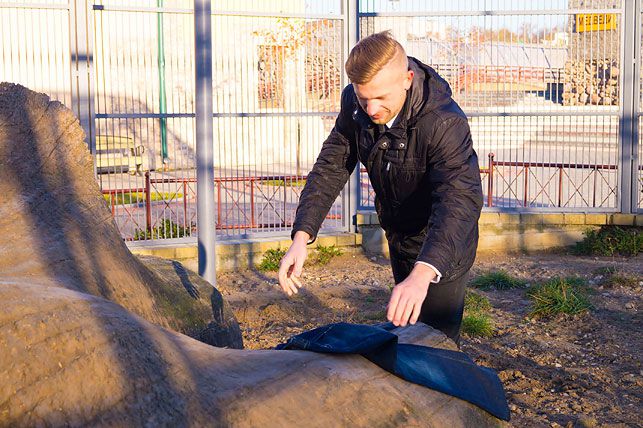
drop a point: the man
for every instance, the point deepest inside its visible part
(397, 118)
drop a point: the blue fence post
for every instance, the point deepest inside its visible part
(204, 144)
(628, 135)
(351, 35)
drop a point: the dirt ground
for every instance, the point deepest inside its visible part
(571, 371)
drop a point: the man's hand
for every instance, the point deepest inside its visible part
(407, 297)
(292, 263)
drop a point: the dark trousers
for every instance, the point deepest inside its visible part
(442, 309)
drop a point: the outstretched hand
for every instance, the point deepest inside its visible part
(292, 264)
(406, 300)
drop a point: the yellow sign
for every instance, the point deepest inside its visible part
(595, 22)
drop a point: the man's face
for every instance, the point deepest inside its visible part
(383, 96)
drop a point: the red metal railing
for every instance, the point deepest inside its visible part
(270, 193)
(494, 175)
(560, 171)
(228, 200)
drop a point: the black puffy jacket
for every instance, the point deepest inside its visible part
(423, 169)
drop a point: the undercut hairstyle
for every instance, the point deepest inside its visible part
(370, 55)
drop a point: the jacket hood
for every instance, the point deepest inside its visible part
(429, 91)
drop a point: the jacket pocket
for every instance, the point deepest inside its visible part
(402, 180)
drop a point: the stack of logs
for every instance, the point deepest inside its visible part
(592, 82)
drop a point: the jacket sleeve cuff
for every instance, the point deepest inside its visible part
(438, 276)
(313, 235)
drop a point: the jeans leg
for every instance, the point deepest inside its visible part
(401, 266)
(444, 305)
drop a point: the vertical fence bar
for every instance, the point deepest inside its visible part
(148, 203)
(636, 160)
(628, 119)
(285, 206)
(560, 186)
(204, 144)
(253, 222)
(82, 61)
(185, 203)
(526, 185)
(351, 36)
(219, 222)
(595, 184)
(490, 182)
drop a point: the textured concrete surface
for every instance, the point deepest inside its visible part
(90, 336)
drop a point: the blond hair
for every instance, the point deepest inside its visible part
(370, 55)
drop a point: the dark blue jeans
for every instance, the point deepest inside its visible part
(443, 370)
(444, 304)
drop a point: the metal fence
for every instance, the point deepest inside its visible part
(544, 87)
(550, 88)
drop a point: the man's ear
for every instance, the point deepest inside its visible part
(409, 79)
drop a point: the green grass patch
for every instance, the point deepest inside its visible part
(289, 183)
(500, 280)
(612, 278)
(167, 229)
(474, 302)
(611, 241)
(271, 260)
(322, 254)
(139, 197)
(477, 321)
(477, 324)
(621, 280)
(559, 296)
(605, 270)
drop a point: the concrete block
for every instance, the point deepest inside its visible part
(497, 229)
(255, 247)
(489, 218)
(232, 250)
(362, 218)
(374, 241)
(497, 242)
(574, 218)
(186, 252)
(324, 241)
(622, 219)
(531, 219)
(142, 251)
(529, 241)
(163, 252)
(558, 238)
(596, 219)
(358, 239)
(346, 240)
(639, 220)
(556, 219)
(505, 218)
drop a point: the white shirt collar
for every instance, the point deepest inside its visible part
(390, 122)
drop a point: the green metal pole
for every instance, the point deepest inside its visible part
(162, 97)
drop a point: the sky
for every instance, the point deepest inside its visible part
(513, 22)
